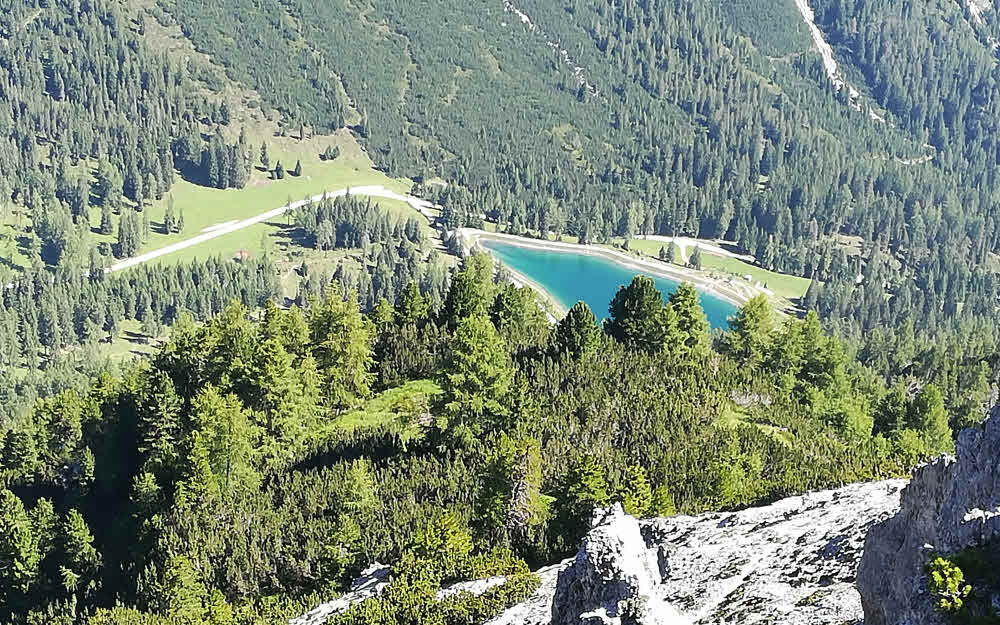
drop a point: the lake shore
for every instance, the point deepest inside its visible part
(712, 286)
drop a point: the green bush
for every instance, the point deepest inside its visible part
(947, 584)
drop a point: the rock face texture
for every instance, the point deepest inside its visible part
(950, 504)
(793, 562)
(613, 578)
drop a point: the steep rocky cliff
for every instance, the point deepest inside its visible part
(950, 505)
(793, 562)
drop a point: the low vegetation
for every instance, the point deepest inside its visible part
(965, 585)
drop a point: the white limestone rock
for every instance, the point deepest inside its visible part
(790, 563)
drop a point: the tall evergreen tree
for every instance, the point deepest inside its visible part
(635, 315)
(577, 333)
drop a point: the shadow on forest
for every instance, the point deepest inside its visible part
(6, 262)
(377, 444)
(192, 173)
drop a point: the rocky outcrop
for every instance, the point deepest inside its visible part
(790, 563)
(613, 579)
(950, 504)
(371, 583)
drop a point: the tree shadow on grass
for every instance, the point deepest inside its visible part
(290, 234)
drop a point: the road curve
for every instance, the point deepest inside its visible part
(419, 205)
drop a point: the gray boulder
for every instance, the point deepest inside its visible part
(613, 579)
(950, 504)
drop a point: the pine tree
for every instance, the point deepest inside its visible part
(692, 324)
(180, 595)
(635, 315)
(479, 373)
(511, 503)
(344, 341)
(228, 437)
(927, 415)
(106, 224)
(586, 489)
(751, 330)
(298, 169)
(662, 502)
(265, 159)
(577, 333)
(279, 171)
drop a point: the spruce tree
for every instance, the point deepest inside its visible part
(635, 315)
(577, 333)
(169, 219)
(411, 306)
(106, 225)
(695, 258)
(265, 159)
(19, 550)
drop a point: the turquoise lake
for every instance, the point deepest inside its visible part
(571, 277)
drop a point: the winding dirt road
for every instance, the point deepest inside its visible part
(219, 230)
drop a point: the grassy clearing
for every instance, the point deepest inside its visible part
(734, 417)
(788, 287)
(130, 342)
(204, 207)
(402, 406)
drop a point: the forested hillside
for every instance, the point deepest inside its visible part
(357, 397)
(599, 119)
(266, 456)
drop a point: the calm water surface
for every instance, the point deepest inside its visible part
(570, 277)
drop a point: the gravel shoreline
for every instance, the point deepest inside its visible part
(709, 286)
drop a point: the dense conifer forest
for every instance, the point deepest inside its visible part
(397, 404)
(259, 473)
